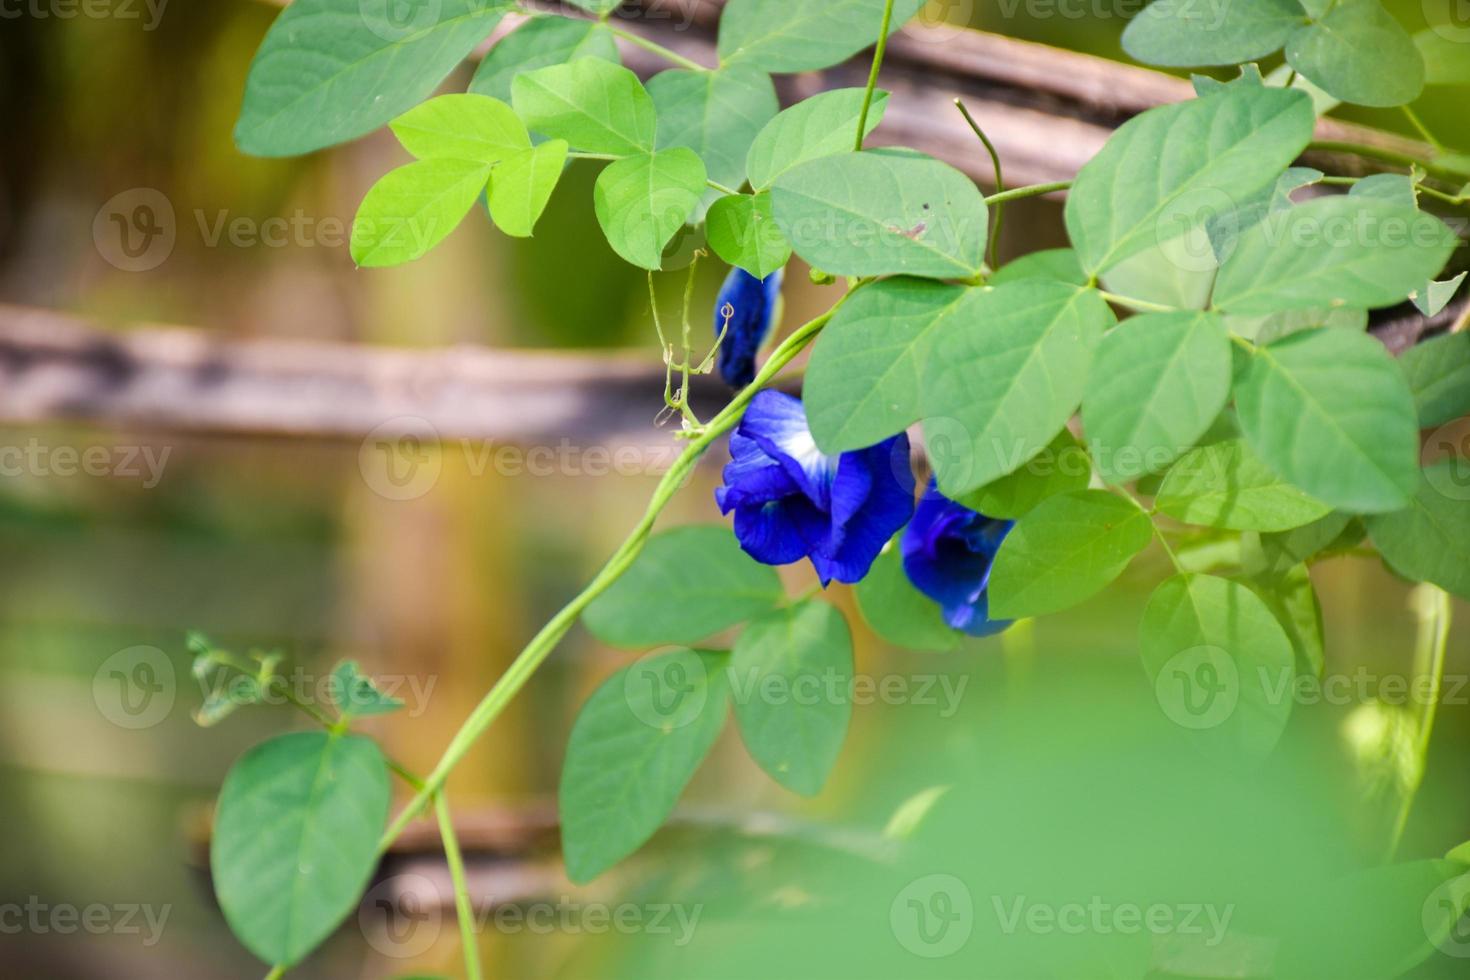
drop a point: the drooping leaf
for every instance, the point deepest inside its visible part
(540, 43)
(1158, 382)
(1436, 295)
(742, 230)
(633, 749)
(414, 208)
(1438, 372)
(717, 114)
(898, 612)
(522, 184)
(791, 672)
(1429, 541)
(884, 212)
(1221, 664)
(1061, 467)
(688, 583)
(1064, 551)
(330, 71)
(866, 372)
(778, 36)
(1360, 54)
(1001, 383)
(1226, 485)
(1058, 264)
(1359, 252)
(595, 105)
(355, 694)
(1163, 174)
(824, 125)
(642, 201)
(462, 127)
(296, 839)
(1331, 413)
(1185, 33)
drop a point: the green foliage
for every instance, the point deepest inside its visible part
(897, 611)
(540, 43)
(884, 212)
(1359, 53)
(1059, 264)
(1183, 33)
(595, 105)
(818, 127)
(633, 749)
(414, 208)
(1438, 372)
(1226, 485)
(357, 696)
(742, 230)
(717, 114)
(778, 36)
(1444, 58)
(1429, 540)
(642, 201)
(462, 127)
(688, 583)
(1061, 467)
(521, 186)
(296, 839)
(791, 671)
(1068, 548)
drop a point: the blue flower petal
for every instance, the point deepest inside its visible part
(752, 476)
(948, 552)
(854, 545)
(772, 532)
(777, 421)
(752, 304)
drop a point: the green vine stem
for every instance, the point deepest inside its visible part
(878, 52)
(1030, 190)
(1000, 180)
(544, 642)
(464, 908)
(1432, 606)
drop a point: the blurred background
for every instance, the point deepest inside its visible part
(1068, 786)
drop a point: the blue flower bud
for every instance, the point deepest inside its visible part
(750, 306)
(948, 551)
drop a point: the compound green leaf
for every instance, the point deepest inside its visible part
(714, 113)
(898, 612)
(1356, 251)
(1438, 372)
(634, 747)
(1330, 412)
(688, 583)
(1163, 174)
(884, 212)
(1064, 551)
(791, 673)
(642, 201)
(1359, 53)
(296, 839)
(462, 127)
(414, 208)
(522, 184)
(540, 43)
(595, 105)
(1227, 485)
(1061, 467)
(1000, 384)
(330, 71)
(821, 126)
(1185, 33)
(779, 36)
(742, 230)
(1429, 541)
(1158, 382)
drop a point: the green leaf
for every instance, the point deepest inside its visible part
(642, 202)
(1158, 382)
(1330, 412)
(1398, 188)
(1438, 372)
(717, 114)
(1000, 385)
(1221, 664)
(884, 212)
(596, 106)
(1286, 549)
(296, 839)
(822, 126)
(540, 43)
(1057, 264)
(742, 230)
(1184, 33)
(688, 583)
(1064, 551)
(522, 184)
(1293, 601)
(414, 208)
(898, 612)
(463, 127)
(1444, 57)
(1163, 174)
(1228, 486)
(1360, 252)
(778, 36)
(1359, 53)
(1429, 541)
(599, 7)
(356, 695)
(791, 672)
(330, 71)
(1061, 467)
(633, 749)
(866, 371)
(1271, 327)
(1436, 295)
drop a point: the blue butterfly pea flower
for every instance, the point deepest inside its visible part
(750, 304)
(948, 551)
(792, 501)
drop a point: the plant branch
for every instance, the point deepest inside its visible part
(878, 52)
(463, 907)
(1432, 605)
(1000, 180)
(1030, 190)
